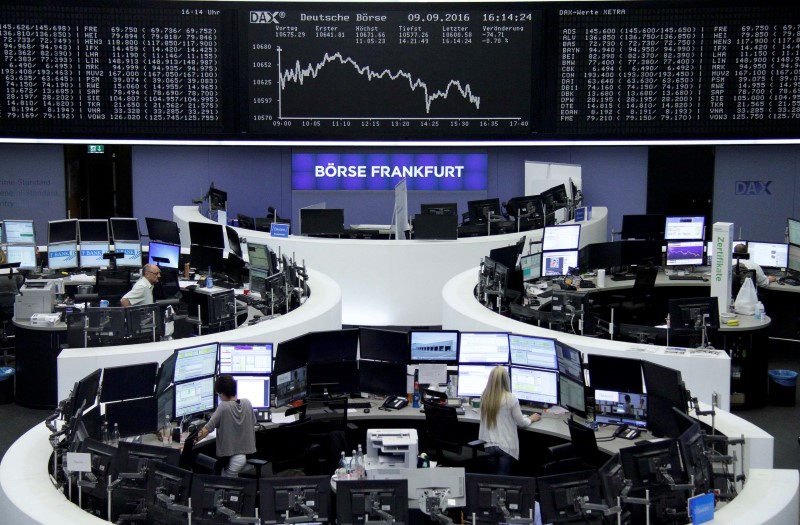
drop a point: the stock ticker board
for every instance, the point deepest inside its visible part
(520, 71)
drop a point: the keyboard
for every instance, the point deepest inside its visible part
(685, 278)
(623, 277)
(529, 411)
(359, 404)
(791, 281)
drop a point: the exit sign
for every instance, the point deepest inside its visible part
(95, 148)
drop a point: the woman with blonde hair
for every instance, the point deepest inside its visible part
(500, 417)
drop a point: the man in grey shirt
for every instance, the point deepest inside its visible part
(142, 291)
(235, 424)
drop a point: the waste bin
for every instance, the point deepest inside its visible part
(6, 385)
(782, 387)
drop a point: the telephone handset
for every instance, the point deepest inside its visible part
(394, 403)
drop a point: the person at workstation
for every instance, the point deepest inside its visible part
(142, 291)
(500, 417)
(235, 424)
(762, 279)
(628, 404)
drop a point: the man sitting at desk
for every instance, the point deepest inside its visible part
(761, 278)
(142, 291)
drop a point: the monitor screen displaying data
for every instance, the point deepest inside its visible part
(569, 362)
(527, 350)
(195, 361)
(559, 263)
(538, 386)
(254, 388)
(531, 266)
(769, 254)
(685, 253)
(483, 347)
(794, 258)
(259, 255)
(171, 252)
(132, 254)
(60, 256)
(793, 231)
(565, 237)
(194, 397)
(19, 232)
(472, 379)
(25, 255)
(249, 358)
(684, 228)
(434, 346)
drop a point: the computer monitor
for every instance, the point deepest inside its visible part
(494, 499)
(560, 496)
(113, 284)
(217, 199)
(793, 262)
(132, 254)
(383, 345)
(167, 485)
(768, 254)
(448, 208)
(23, 254)
(171, 252)
(291, 354)
(529, 205)
(85, 392)
(124, 229)
(325, 221)
(569, 362)
(62, 231)
(254, 388)
(105, 325)
(162, 230)
(291, 386)
(216, 499)
(332, 346)
(93, 230)
(620, 408)
(128, 382)
(194, 397)
(531, 266)
(436, 227)
(233, 241)
(381, 377)
(245, 358)
(535, 385)
(646, 464)
(379, 500)
(571, 395)
(259, 257)
(612, 480)
(692, 447)
(615, 373)
(507, 255)
(472, 379)
(62, 256)
(304, 499)
(686, 253)
(207, 234)
(145, 321)
(204, 257)
(648, 227)
(19, 232)
(166, 371)
(665, 390)
(793, 230)
(195, 361)
(92, 255)
(691, 314)
(684, 228)
(555, 197)
(259, 281)
(558, 263)
(479, 209)
(433, 347)
(562, 237)
(528, 350)
(483, 347)
(133, 417)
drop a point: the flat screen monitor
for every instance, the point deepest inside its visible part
(258, 280)
(259, 256)
(793, 262)
(62, 256)
(172, 482)
(483, 347)
(338, 377)
(383, 345)
(686, 253)
(163, 230)
(295, 499)
(132, 254)
(562, 237)
(331, 346)
(692, 447)
(207, 234)
(535, 385)
(212, 493)
(194, 397)
(684, 228)
(433, 347)
(217, 199)
(19, 232)
(133, 417)
(648, 227)
(569, 362)
(768, 254)
(646, 464)
(195, 361)
(526, 207)
(326, 221)
(62, 231)
(527, 350)
(204, 257)
(615, 373)
(494, 499)
(92, 255)
(384, 378)
(166, 371)
(641, 252)
(472, 379)
(560, 496)
(93, 230)
(620, 408)
(233, 241)
(254, 388)
(145, 322)
(555, 197)
(571, 395)
(507, 255)
(124, 229)
(171, 252)
(245, 358)
(559, 263)
(245, 221)
(291, 386)
(793, 229)
(691, 314)
(23, 254)
(447, 208)
(85, 392)
(112, 284)
(665, 390)
(128, 382)
(436, 227)
(357, 501)
(291, 354)
(480, 209)
(531, 266)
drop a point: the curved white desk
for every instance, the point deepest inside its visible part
(321, 311)
(387, 282)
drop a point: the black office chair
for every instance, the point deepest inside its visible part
(291, 447)
(330, 431)
(637, 305)
(447, 447)
(580, 453)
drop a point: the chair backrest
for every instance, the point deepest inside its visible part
(645, 280)
(584, 442)
(441, 426)
(289, 444)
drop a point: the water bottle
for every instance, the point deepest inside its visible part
(415, 399)
(209, 279)
(759, 311)
(104, 433)
(451, 393)
(115, 435)
(341, 470)
(352, 466)
(166, 431)
(361, 468)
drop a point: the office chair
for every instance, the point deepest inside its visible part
(636, 305)
(441, 430)
(290, 447)
(580, 453)
(330, 430)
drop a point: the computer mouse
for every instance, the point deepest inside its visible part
(366, 411)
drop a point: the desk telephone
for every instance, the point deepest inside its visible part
(624, 431)
(394, 402)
